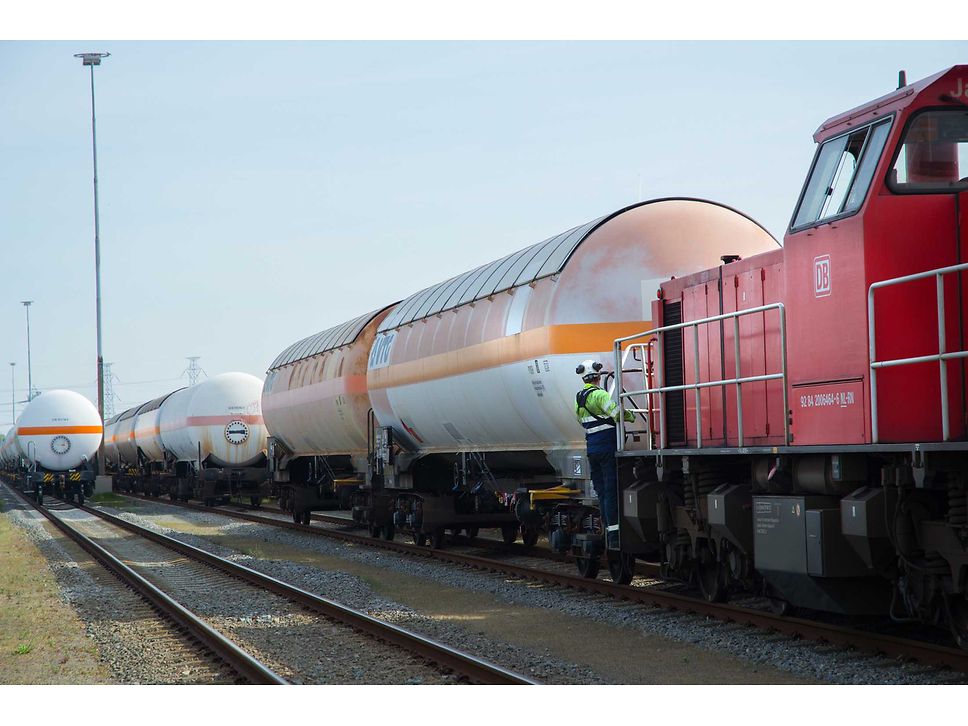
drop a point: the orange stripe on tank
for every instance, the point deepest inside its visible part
(531, 344)
(45, 430)
(223, 419)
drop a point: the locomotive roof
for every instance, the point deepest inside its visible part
(889, 102)
(331, 338)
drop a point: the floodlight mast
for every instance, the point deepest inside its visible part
(94, 59)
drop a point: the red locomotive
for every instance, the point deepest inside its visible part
(805, 429)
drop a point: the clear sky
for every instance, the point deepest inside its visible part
(255, 193)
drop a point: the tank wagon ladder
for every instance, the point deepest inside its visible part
(942, 356)
(624, 398)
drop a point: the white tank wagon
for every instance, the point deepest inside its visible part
(473, 383)
(9, 453)
(206, 441)
(316, 407)
(57, 437)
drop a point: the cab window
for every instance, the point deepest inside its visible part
(933, 156)
(841, 175)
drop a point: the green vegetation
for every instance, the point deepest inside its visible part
(110, 499)
(23, 649)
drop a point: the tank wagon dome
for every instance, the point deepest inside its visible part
(60, 430)
(315, 397)
(486, 359)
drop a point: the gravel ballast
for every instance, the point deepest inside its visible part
(802, 659)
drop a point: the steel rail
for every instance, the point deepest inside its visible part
(926, 653)
(476, 669)
(647, 569)
(244, 664)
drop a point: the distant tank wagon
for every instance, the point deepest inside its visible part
(55, 443)
(206, 441)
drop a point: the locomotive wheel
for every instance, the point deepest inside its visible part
(472, 532)
(621, 567)
(307, 517)
(437, 538)
(529, 535)
(709, 572)
(388, 532)
(80, 499)
(173, 496)
(510, 533)
(296, 517)
(588, 566)
(375, 531)
(419, 539)
(255, 501)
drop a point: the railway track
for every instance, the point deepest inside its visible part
(926, 653)
(247, 668)
(444, 657)
(645, 569)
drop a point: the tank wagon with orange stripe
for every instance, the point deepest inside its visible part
(317, 409)
(472, 381)
(55, 443)
(206, 441)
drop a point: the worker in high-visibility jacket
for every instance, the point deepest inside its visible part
(598, 415)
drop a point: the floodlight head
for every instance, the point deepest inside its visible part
(91, 59)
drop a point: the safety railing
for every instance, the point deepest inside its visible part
(643, 354)
(941, 357)
(621, 395)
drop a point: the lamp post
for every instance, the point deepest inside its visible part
(13, 415)
(30, 380)
(94, 59)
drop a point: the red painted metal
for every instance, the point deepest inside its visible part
(822, 276)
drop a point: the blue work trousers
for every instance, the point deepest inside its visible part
(605, 481)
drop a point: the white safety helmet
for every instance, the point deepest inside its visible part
(590, 369)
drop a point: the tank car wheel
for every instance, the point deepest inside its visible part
(296, 517)
(437, 538)
(711, 576)
(510, 533)
(529, 535)
(621, 567)
(388, 532)
(472, 532)
(588, 566)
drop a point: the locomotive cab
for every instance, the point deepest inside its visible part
(808, 439)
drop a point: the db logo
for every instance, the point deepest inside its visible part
(821, 276)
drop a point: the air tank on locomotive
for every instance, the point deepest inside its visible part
(57, 438)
